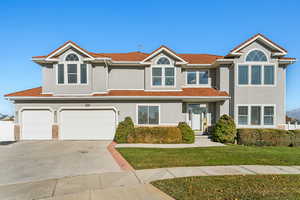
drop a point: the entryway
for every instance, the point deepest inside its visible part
(196, 115)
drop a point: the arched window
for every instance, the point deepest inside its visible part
(72, 57)
(256, 56)
(163, 61)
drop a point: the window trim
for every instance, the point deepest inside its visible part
(137, 114)
(78, 63)
(262, 71)
(197, 78)
(255, 49)
(262, 124)
(163, 66)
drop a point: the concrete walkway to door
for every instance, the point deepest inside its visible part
(126, 185)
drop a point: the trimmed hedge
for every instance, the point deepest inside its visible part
(124, 129)
(127, 133)
(268, 137)
(155, 135)
(188, 135)
(225, 130)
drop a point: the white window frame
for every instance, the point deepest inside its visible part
(163, 66)
(238, 115)
(262, 124)
(197, 71)
(78, 63)
(262, 71)
(137, 114)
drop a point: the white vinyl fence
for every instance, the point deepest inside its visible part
(7, 131)
(290, 126)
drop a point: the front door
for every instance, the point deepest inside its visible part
(196, 114)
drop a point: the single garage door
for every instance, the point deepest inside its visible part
(84, 124)
(36, 125)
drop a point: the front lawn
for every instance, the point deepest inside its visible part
(145, 158)
(258, 187)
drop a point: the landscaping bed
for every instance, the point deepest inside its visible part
(250, 187)
(145, 158)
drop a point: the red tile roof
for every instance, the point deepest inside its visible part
(30, 92)
(37, 92)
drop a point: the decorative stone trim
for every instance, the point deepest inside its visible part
(17, 132)
(55, 132)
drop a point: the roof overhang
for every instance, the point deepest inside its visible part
(159, 50)
(281, 51)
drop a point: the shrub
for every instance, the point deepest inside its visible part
(155, 135)
(265, 137)
(187, 133)
(225, 130)
(123, 130)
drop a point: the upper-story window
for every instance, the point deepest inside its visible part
(256, 70)
(72, 71)
(163, 73)
(197, 77)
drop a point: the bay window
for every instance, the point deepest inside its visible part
(148, 114)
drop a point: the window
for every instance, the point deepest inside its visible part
(83, 74)
(148, 114)
(255, 74)
(243, 115)
(163, 61)
(197, 77)
(72, 73)
(255, 115)
(61, 74)
(72, 57)
(243, 74)
(156, 76)
(259, 74)
(169, 76)
(256, 56)
(191, 78)
(163, 74)
(268, 115)
(269, 75)
(203, 77)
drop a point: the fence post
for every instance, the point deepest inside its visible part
(289, 124)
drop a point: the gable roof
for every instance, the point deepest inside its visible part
(258, 36)
(161, 49)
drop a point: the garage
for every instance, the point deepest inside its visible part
(36, 124)
(87, 124)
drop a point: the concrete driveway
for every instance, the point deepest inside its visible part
(39, 160)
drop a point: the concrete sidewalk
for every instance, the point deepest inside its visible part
(200, 141)
(127, 184)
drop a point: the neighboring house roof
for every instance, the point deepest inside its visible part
(37, 92)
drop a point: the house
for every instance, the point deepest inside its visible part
(84, 94)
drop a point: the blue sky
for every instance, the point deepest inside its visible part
(30, 28)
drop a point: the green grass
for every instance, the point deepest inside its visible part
(258, 187)
(145, 158)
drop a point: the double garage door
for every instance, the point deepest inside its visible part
(74, 124)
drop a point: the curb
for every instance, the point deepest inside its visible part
(122, 162)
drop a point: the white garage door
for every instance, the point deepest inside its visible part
(36, 125)
(87, 124)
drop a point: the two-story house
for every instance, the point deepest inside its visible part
(84, 94)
